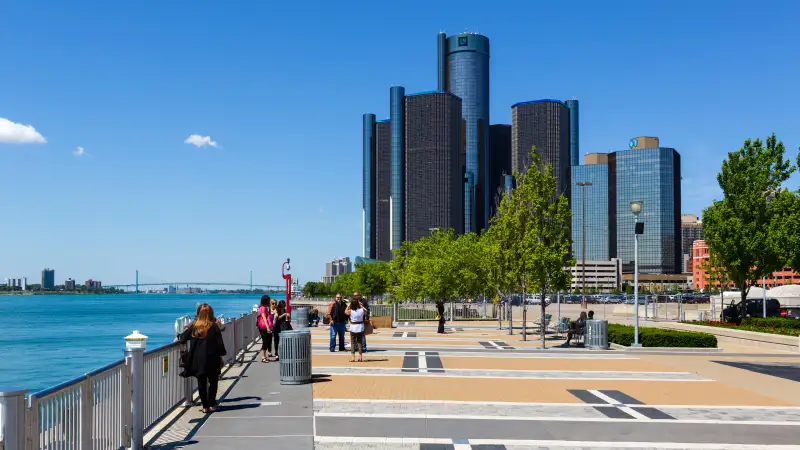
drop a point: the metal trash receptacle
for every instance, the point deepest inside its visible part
(295, 357)
(300, 317)
(597, 334)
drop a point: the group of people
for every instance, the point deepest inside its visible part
(356, 311)
(271, 321)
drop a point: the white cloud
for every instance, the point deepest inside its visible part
(79, 151)
(200, 141)
(17, 133)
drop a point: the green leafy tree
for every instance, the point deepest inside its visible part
(740, 230)
(468, 255)
(373, 278)
(533, 234)
(427, 268)
(315, 289)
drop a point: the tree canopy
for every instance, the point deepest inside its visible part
(743, 231)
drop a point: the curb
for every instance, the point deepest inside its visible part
(694, 350)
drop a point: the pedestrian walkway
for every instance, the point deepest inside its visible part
(425, 391)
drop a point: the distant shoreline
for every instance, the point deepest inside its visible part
(11, 294)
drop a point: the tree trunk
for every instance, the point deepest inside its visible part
(543, 331)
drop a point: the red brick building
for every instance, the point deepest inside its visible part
(700, 276)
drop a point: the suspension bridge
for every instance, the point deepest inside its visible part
(151, 284)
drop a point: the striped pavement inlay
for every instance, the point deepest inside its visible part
(406, 324)
(413, 362)
(621, 405)
(499, 345)
(420, 364)
(405, 334)
(360, 443)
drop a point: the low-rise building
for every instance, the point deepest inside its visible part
(92, 284)
(69, 284)
(703, 280)
(21, 283)
(604, 276)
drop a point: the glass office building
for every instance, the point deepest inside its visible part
(463, 69)
(544, 124)
(368, 186)
(574, 136)
(652, 175)
(433, 173)
(383, 190)
(48, 279)
(499, 163)
(397, 96)
(594, 210)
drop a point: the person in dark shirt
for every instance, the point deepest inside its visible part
(313, 318)
(206, 352)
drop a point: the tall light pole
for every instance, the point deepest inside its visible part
(636, 208)
(582, 185)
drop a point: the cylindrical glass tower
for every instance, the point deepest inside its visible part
(397, 95)
(574, 151)
(466, 61)
(368, 186)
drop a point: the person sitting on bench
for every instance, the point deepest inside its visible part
(577, 327)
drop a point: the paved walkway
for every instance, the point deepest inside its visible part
(479, 388)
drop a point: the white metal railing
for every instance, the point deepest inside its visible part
(94, 411)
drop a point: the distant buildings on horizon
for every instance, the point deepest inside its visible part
(336, 267)
(48, 282)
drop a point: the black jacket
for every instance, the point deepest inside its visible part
(205, 353)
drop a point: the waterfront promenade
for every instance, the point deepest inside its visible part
(479, 388)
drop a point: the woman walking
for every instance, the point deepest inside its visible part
(357, 314)
(264, 322)
(278, 323)
(206, 352)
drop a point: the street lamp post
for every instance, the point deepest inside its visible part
(636, 208)
(582, 185)
(285, 268)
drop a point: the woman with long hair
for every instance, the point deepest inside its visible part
(206, 352)
(278, 321)
(357, 315)
(264, 323)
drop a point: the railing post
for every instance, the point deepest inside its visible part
(12, 420)
(394, 312)
(32, 436)
(135, 345)
(87, 414)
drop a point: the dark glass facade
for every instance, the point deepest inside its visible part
(574, 136)
(465, 59)
(499, 163)
(368, 185)
(544, 124)
(397, 143)
(652, 175)
(594, 210)
(433, 173)
(48, 279)
(383, 190)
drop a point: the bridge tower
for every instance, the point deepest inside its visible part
(137, 281)
(251, 280)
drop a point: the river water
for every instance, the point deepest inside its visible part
(49, 339)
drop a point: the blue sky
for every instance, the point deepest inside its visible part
(280, 88)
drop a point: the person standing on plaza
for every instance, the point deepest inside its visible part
(338, 321)
(279, 323)
(440, 313)
(357, 315)
(365, 305)
(206, 352)
(264, 322)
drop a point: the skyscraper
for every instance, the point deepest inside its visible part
(652, 174)
(546, 125)
(574, 136)
(691, 230)
(368, 185)
(463, 69)
(48, 279)
(383, 190)
(433, 177)
(397, 96)
(499, 163)
(594, 210)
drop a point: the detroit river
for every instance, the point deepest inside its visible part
(49, 339)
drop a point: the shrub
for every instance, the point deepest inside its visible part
(773, 322)
(660, 337)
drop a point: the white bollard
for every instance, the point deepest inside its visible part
(135, 345)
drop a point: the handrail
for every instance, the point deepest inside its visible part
(94, 411)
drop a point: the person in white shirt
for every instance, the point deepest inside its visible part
(357, 316)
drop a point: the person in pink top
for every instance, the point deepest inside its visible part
(264, 322)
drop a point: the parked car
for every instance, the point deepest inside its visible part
(753, 307)
(791, 312)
